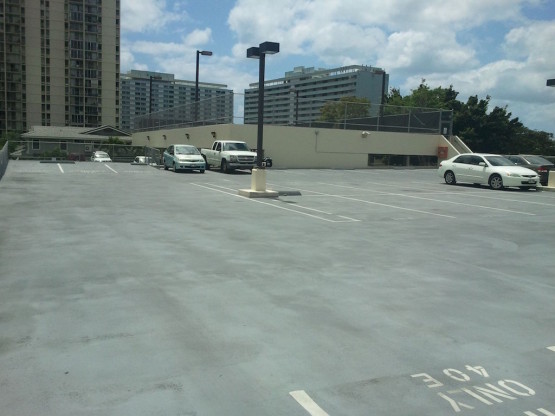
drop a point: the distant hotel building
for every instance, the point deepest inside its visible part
(59, 63)
(298, 97)
(149, 99)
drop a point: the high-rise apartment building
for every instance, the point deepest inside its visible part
(150, 99)
(298, 97)
(59, 63)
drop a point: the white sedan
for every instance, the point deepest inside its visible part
(487, 169)
(100, 156)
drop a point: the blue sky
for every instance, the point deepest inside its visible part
(500, 48)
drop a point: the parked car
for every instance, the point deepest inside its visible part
(229, 155)
(142, 160)
(100, 156)
(487, 169)
(183, 157)
(537, 163)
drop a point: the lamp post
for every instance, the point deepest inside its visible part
(150, 78)
(258, 180)
(150, 91)
(204, 53)
(260, 52)
(295, 91)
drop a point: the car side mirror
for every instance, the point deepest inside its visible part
(483, 164)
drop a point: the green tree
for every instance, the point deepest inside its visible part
(495, 131)
(425, 97)
(114, 140)
(345, 109)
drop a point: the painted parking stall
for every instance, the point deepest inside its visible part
(367, 292)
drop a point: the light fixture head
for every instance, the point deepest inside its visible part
(269, 48)
(253, 52)
(205, 53)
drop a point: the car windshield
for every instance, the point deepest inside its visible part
(102, 154)
(499, 161)
(186, 150)
(538, 160)
(236, 146)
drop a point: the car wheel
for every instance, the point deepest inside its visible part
(450, 178)
(496, 182)
(202, 171)
(224, 167)
(165, 166)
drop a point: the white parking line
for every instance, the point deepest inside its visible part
(60, 167)
(307, 403)
(111, 168)
(435, 200)
(346, 219)
(551, 348)
(379, 204)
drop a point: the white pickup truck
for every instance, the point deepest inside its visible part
(229, 155)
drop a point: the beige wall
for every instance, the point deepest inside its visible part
(305, 147)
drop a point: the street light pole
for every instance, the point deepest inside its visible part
(258, 181)
(260, 131)
(295, 91)
(151, 77)
(150, 94)
(260, 53)
(197, 95)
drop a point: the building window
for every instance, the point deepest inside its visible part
(63, 145)
(36, 144)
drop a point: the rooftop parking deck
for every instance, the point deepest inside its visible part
(128, 290)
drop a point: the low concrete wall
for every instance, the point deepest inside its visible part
(305, 147)
(3, 159)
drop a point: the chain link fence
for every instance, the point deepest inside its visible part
(210, 111)
(65, 150)
(360, 116)
(289, 110)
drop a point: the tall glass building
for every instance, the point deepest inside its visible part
(298, 97)
(152, 99)
(59, 63)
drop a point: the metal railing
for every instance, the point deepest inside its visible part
(4, 159)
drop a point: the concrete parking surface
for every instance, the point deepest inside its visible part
(127, 290)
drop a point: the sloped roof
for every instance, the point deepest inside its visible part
(78, 133)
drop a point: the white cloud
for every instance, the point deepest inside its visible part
(199, 37)
(442, 41)
(147, 15)
(410, 52)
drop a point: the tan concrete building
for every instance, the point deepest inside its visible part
(59, 63)
(318, 148)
